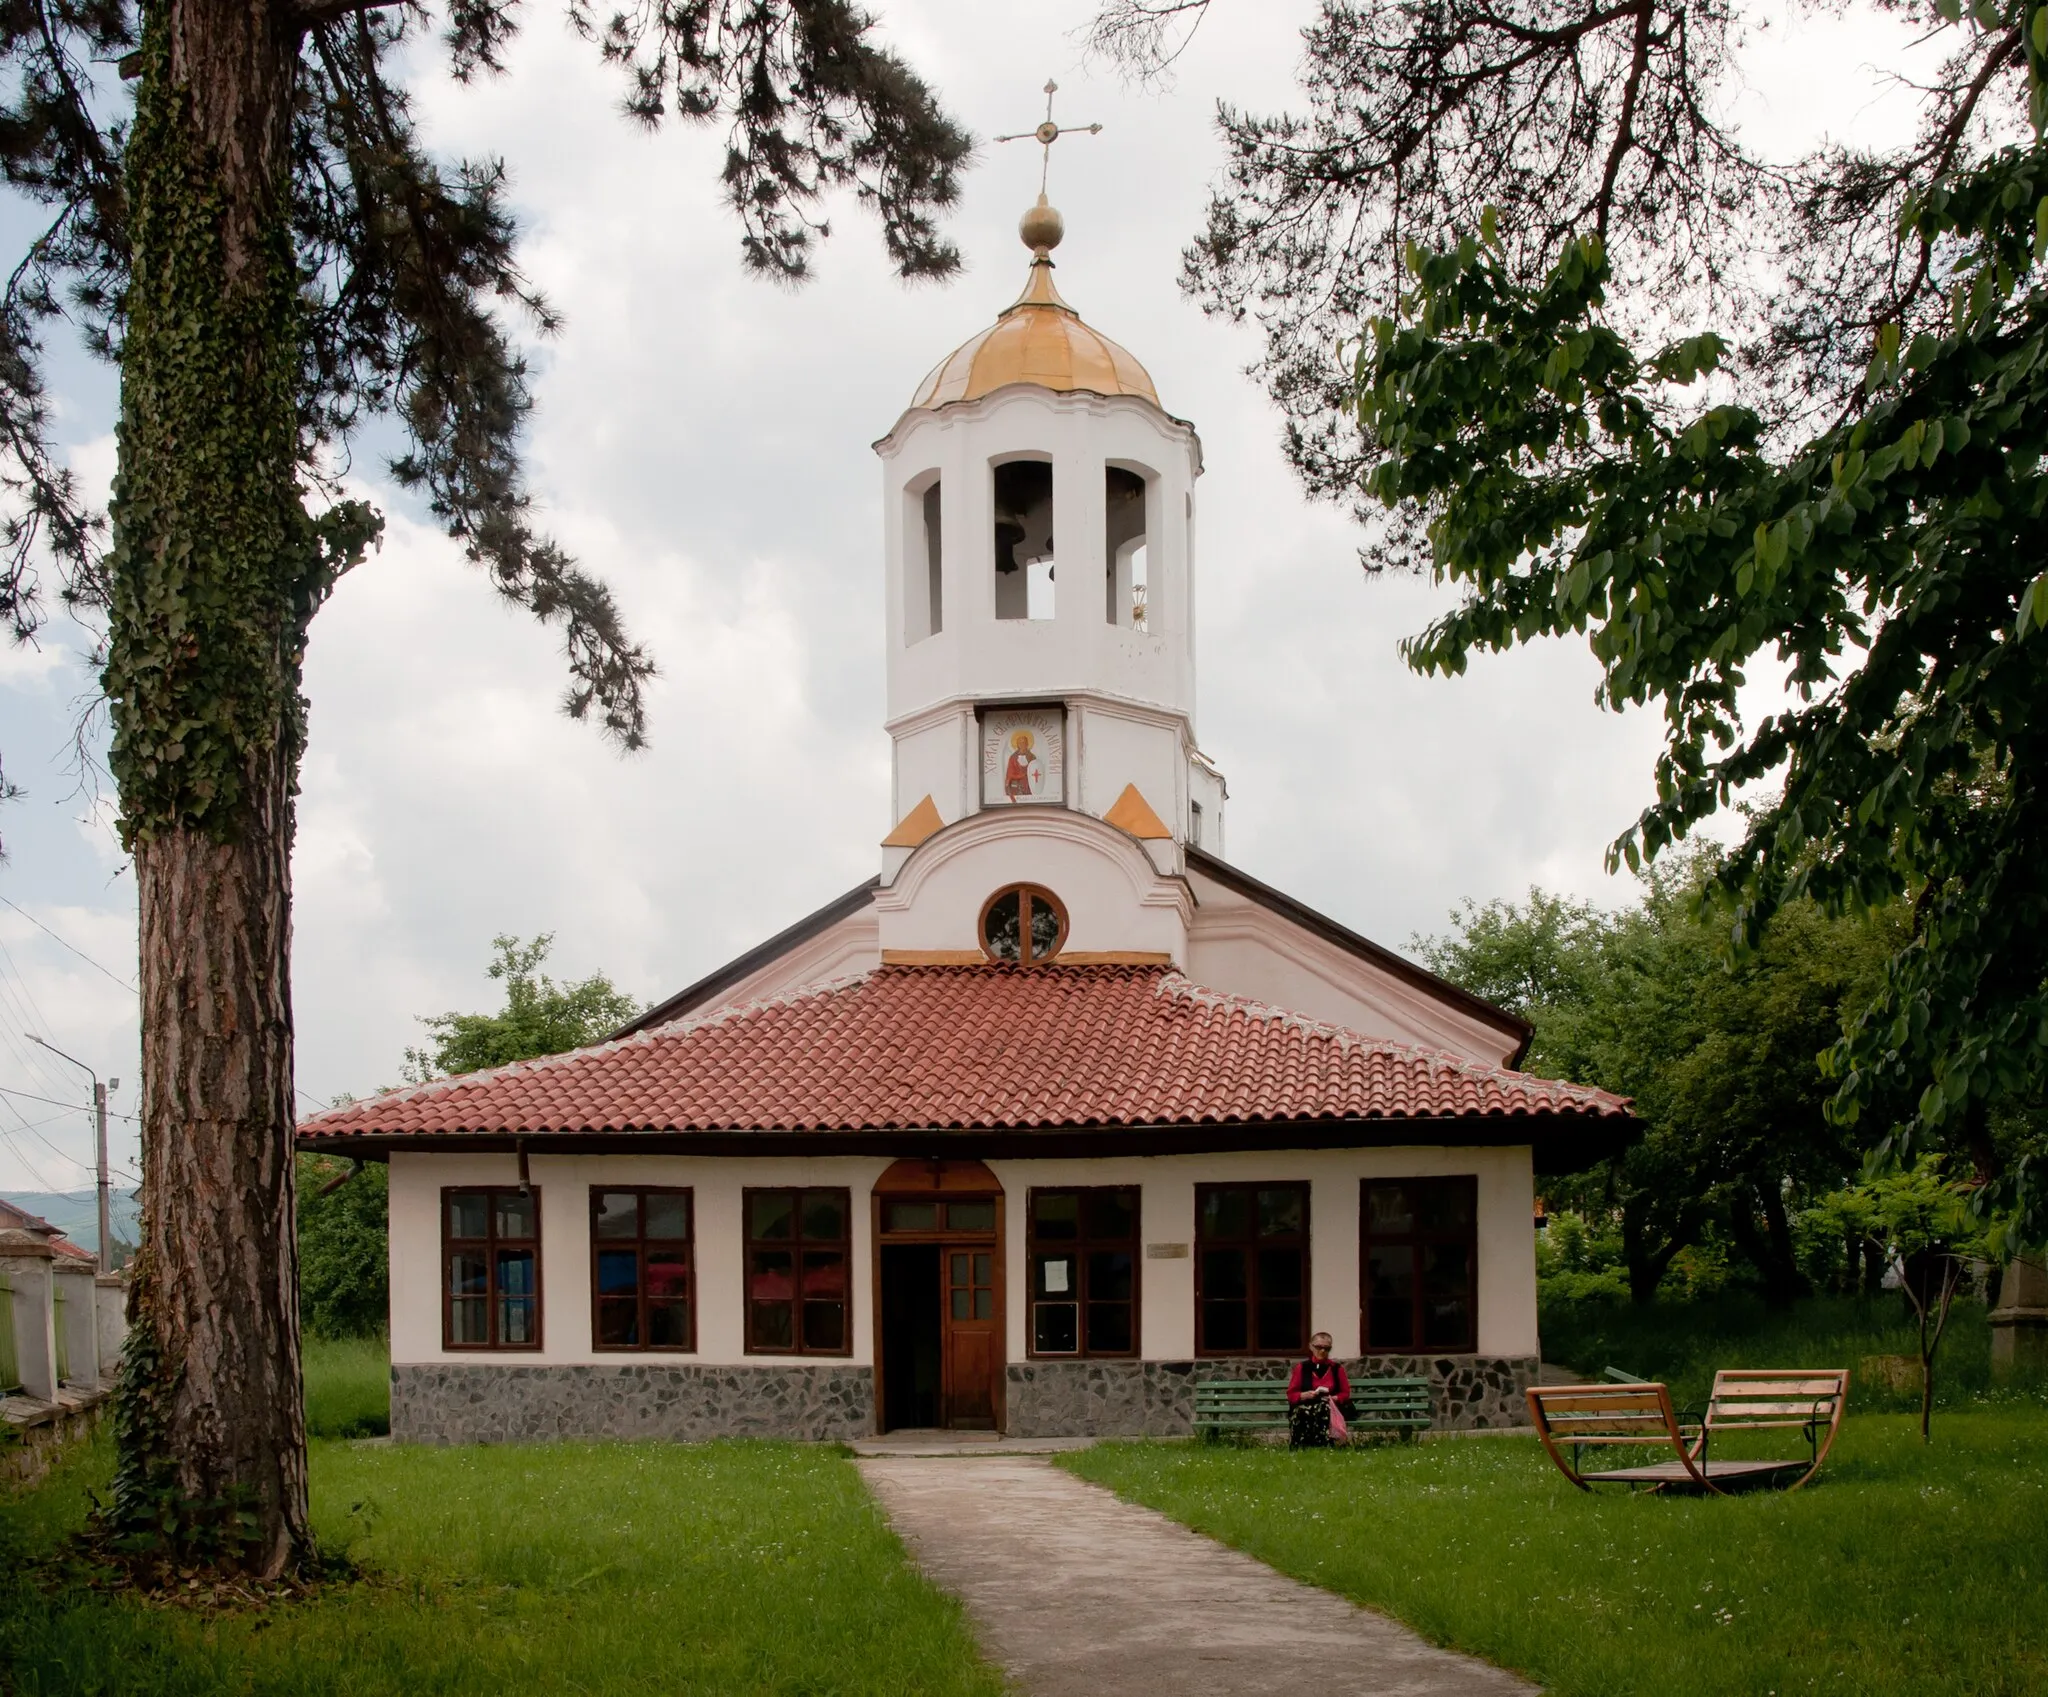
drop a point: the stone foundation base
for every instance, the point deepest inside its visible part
(461, 1402)
(1132, 1399)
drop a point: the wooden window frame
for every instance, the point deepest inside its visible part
(1026, 894)
(1079, 1247)
(638, 1243)
(796, 1244)
(491, 1242)
(1252, 1345)
(1418, 1239)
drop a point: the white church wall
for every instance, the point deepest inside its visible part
(1116, 899)
(1507, 1234)
(1120, 747)
(935, 759)
(564, 1183)
(1243, 948)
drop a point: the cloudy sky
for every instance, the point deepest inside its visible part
(702, 442)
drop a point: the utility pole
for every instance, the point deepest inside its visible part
(99, 1116)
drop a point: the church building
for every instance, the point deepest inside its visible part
(1058, 1115)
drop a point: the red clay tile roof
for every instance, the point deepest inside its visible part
(912, 1047)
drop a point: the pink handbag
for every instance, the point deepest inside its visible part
(1339, 1430)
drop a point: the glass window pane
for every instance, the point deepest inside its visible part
(1002, 928)
(668, 1275)
(667, 1216)
(515, 1272)
(824, 1216)
(984, 1304)
(1280, 1211)
(772, 1325)
(515, 1319)
(618, 1322)
(824, 1325)
(1387, 1210)
(1444, 1205)
(668, 1325)
(469, 1214)
(1390, 1269)
(468, 1320)
(971, 1216)
(771, 1214)
(618, 1272)
(1224, 1325)
(963, 1303)
(1045, 929)
(1056, 1214)
(1109, 1327)
(1446, 1269)
(616, 1214)
(825, 1273)
(1447, 1323)
(1054, 1275)
(1280, 1325)
(515, 1213)
(1112, 1215)
(1389, 1323)
(910, 1216)
(468, 1275)
(984, 1269)
(1226, 1214)
(956, 1270)
(771, 1276)
(1109, 1275)
(1224, 1274)
(1054, 1328)
(1280, 1273)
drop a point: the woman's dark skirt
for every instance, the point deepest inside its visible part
(1308, 1424)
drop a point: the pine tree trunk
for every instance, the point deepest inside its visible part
(216, 570)
(221, 1290)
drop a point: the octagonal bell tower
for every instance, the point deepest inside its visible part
(1040, 528)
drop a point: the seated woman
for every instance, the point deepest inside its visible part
(1317, 1385)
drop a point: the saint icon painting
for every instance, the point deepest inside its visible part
(1021, 754)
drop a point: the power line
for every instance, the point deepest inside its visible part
(82, 1107)
(59, 941)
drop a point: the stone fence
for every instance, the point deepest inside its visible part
(62, 1322)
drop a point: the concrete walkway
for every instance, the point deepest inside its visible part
(1078, 1594)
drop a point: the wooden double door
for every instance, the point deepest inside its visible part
(939, 1287)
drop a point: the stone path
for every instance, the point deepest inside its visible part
(1077, 1594)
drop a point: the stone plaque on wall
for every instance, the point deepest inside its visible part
(1023, 756)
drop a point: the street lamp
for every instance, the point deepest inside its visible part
(99, 1113)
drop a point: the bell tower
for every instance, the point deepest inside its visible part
(1039, 545)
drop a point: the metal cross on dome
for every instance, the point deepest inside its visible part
(1048, 132)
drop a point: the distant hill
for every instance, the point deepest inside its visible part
(76, 1214)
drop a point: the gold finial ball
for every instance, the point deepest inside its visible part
(1042, 227)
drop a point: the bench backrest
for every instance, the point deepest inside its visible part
(1604, 1414)
(1747, 1398)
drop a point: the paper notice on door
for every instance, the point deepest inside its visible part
(1056, 1277)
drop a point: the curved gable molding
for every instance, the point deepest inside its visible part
(1149, 887)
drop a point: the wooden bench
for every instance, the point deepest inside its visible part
(1583, 1417)
(1254, 1405)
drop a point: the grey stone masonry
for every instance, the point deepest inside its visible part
(465, 1402)
(1053, 1399)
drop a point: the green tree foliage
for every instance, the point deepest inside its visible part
(540, 1017)
(1922, 1222)
(344, 1247)
(1721, 1061)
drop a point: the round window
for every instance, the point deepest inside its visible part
(1024, 924)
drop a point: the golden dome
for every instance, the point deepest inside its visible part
(1039, 339)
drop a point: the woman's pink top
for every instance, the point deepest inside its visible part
(1308, 1375)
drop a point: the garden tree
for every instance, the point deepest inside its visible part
(540, 1017)
(1511, 212)
(261, 239)
(1922, 1222)
(1721, 1060)
(344, 1246)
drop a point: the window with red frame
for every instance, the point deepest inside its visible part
(797, 1258)
(642, 1276)
(490, 1269)
(1419, 1264)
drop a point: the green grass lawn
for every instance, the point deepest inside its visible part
(1920, 1571)
(614, 1569)
(348, 1387)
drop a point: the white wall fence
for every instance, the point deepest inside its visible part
(61, 1323)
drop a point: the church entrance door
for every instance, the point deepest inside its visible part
(939, 1296)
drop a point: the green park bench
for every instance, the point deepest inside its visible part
(1254, 1405)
